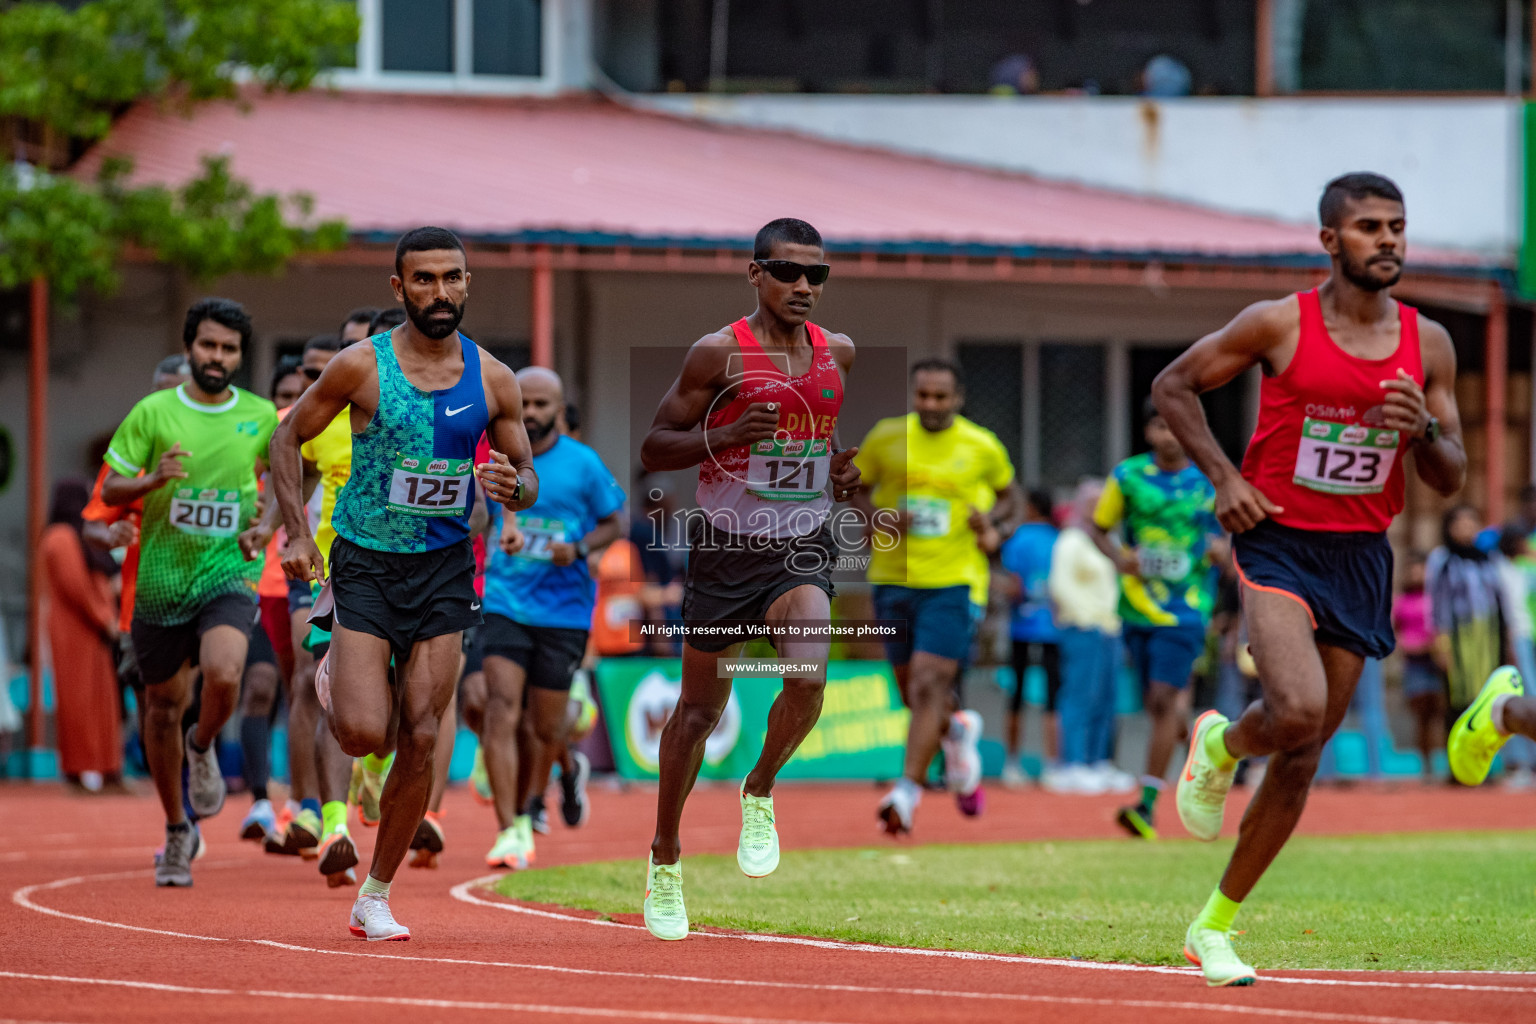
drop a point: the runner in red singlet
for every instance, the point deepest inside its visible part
(767, 391)
(1353, 381)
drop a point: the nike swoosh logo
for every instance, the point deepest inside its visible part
(455, 412)
(474, 606)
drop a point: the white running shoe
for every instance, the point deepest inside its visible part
(1115, 780)
(205, 780)
(1014, 776)
(757, 851)
(962, 757)
(373, 920)
(1073, 780)
(899, 807)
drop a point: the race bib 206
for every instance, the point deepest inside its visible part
(207, 512)
(430, 487)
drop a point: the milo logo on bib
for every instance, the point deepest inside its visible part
(793, 469)
(1343, 458)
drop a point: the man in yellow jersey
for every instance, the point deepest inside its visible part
(947, 497)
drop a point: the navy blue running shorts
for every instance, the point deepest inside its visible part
(1164, 654)
(1344, 580)
(940, 620)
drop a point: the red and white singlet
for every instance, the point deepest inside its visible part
(1320, 450)
(775, 487)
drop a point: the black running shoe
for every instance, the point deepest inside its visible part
(574, 807)
(539, 813)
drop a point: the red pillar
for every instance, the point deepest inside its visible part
(1264, 48)
(542, 341)
(1496, 365)
(37, 508)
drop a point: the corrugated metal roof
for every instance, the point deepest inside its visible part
(594, 172)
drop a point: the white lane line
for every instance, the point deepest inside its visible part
(22, 897)
(462, 892)
(124, 851)
(435, 1004)
(1226, 1009)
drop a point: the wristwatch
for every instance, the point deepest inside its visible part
(1431, 431)
(517, 492)
(582, 551)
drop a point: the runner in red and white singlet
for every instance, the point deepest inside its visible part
(776, 486)
(766, 391)
(1353, 381)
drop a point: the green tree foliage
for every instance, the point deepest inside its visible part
(71, 67)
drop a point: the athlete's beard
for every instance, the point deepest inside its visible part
(538, 431)
(1360, 276)
(435, 329)
(207, 382)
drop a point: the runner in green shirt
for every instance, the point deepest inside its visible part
(193, 454)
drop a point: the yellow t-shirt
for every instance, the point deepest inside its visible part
(331, 452)
(937, 477)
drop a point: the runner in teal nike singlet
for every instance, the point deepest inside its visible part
(401, 574)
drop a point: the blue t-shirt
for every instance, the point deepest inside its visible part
(575, 491)
(1028, 556)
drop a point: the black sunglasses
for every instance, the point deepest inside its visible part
(789, 272)
(310, 372)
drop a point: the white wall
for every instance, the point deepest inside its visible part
(1458, 160)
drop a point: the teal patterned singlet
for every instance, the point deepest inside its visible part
(412, 485)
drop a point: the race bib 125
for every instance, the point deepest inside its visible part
(430, 487)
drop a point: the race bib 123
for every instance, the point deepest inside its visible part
(1338, 458)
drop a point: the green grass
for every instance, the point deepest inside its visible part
(1411, 902)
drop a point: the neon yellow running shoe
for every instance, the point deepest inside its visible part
(665, 915)
(508, 851)
(1211, 951)
(757, 851)
(480, 779)
(1203, 786)
(1473, 740)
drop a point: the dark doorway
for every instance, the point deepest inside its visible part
(1225, 407)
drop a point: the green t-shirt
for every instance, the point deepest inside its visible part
(1168, 518)
(189, 548)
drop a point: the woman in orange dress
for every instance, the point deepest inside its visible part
(82, 632)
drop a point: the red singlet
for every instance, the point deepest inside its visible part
(777, 487)
(1319, 450)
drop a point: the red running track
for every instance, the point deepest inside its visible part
(86, 938)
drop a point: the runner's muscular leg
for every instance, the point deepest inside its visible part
(472, 698)
(303, 713)
(1168, 707)
(931, 696)
(362, 697)
(1282, 796)
(443, 758)
(1291, 674)
(703, 697)
(798, 705)
(427, 682)
(164, 705)
(501, 719)
(546, 716)
(221, 653)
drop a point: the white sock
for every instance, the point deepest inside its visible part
(1147, 780)
(910, 789)
(373, 887)
(1496, 712)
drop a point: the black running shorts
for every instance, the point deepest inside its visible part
(162, 650)
(1343, 580)
(732, 578)
(404, 598)
(549, 655)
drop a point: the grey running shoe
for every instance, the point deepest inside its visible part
(205, 780)
(175, 864)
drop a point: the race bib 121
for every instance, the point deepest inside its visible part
(538, 534)
(792, 470)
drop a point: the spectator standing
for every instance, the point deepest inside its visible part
(1423, 682)
(1466, 606)
(1027, 555)
(82, 634)
(1085, 592)
(1514, 572)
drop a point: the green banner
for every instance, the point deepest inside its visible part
(861, 733)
